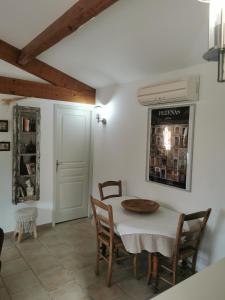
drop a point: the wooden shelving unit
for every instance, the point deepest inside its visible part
(26, 154)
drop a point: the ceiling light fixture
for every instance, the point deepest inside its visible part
(216, 50)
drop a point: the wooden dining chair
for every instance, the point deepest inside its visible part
(1, 244)
(106, 236)
(107, 184)
(185, 249)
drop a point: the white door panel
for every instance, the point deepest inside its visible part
(73, 156)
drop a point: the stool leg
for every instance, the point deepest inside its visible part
(20, 234)
(35, 231)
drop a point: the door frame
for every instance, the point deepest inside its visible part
(73, 106)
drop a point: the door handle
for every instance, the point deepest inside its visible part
(57, 165)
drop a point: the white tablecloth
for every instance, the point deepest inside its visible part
(151, 232)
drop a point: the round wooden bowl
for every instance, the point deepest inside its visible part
(141, 206)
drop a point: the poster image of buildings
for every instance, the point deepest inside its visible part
(168, 145)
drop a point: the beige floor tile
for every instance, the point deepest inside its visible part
(4, 294)
(103, 292)
(70, 291)
(47, 230)
(120, 274)
(43, 263)
(76, 262)
(34, 293)
(29, 244)
(133, 287)
(55, 277)
(35, 253)
(49, 241)
(82, 220)
(14, 266)
(19, 283)
(87, 226)
(8, 243)
(87, 277)
(10, 254)
(1, 283)
(72, 241)
(86, 249)
(61, 250)
(63, 227)
(60, 264)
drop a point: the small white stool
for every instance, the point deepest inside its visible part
(25, 222)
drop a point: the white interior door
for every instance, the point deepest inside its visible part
(73, 128)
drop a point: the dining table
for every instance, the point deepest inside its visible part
(153, 232)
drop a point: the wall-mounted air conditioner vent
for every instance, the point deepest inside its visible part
(170, 92)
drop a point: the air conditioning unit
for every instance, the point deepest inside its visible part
(170, 92)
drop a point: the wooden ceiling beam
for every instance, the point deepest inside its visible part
(42, 70)
(80, 13)
(19, 87)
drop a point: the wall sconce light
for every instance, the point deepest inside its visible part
(216, 50)
(99, 117)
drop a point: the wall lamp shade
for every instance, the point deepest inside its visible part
(99, 116)
(216, 50)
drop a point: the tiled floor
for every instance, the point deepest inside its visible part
(60, 265)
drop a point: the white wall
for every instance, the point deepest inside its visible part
(47, 165)
(120, 152)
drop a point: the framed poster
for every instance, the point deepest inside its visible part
(170, 140)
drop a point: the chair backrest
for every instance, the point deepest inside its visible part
(103, 216)
(106, 184)
(191, 238)
(1, 243)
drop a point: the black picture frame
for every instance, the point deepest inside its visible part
(4, 126)
(170, 145)
(4, 146)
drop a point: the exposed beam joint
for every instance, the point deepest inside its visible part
(42, 70)
(80, 13)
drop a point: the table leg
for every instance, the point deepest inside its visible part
(155, 272)
(135, 265)
(155, 265)
(152, 267)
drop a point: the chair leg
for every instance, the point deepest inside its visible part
(194, 261)
(109, 277)
(97, 258)
(135, 265)
(174, 280)
(156, 265)
(149, 276)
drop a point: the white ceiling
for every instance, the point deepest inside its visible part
(131, 40)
